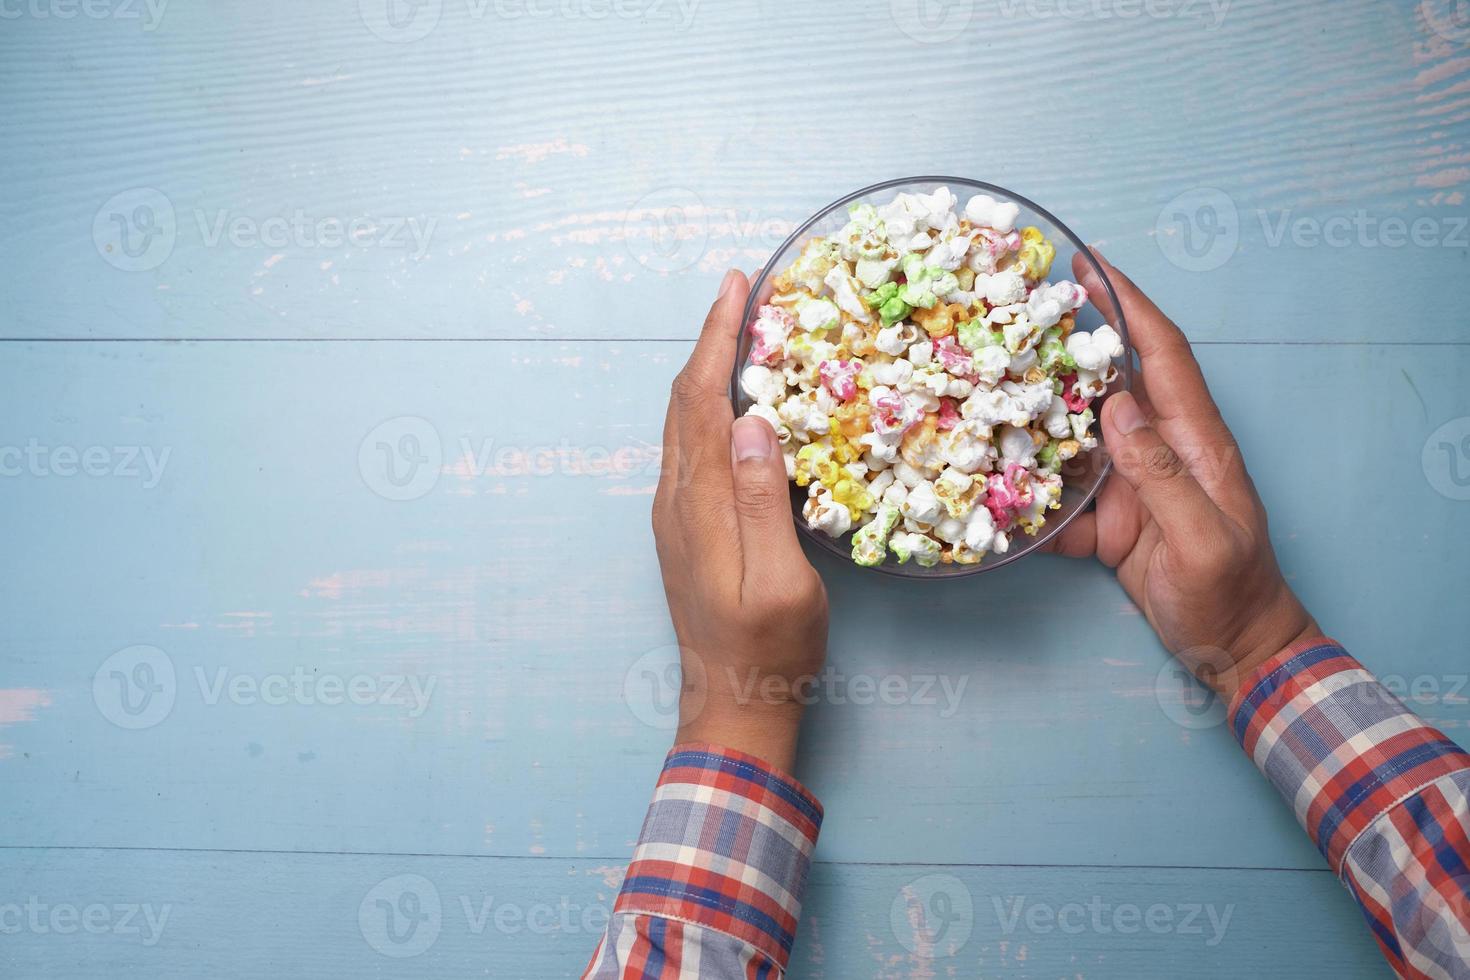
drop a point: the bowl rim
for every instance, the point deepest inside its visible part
(1120, 324)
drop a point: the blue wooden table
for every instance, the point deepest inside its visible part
(334, 345)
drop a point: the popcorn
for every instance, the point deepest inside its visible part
(1095, 351)
(823, 513)
(840, 378)
(870, 543)
(925, 380)
(920, 547)
(985, 210)
(771, 328)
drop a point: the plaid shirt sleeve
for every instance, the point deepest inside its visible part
(715, 885)
(1382, 794)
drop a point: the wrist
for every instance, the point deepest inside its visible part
(767, 731)
(1288, 624)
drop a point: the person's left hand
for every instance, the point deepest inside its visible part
(749, 610)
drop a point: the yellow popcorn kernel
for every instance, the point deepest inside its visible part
(966, 276)
(1036, 253)
(1035, 374)
(1068, 449)
(814, 460)
(842, 450)
(864, 346)
(853, 495)
(940, 321)
(1068, 324)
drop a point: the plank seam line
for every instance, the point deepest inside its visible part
(624, 858)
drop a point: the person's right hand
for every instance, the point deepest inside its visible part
(1184, 526)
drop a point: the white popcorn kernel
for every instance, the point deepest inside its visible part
(966, 447)
(907, 475)
(1095, 351)
(987, 212)
(991, 364)
(920, 548)
(823, 513)
(989, 407)
(950, 530)
(922, 505)
(921, 354)
(845, 291)
(1031, 400)
(891, 374)
(1055, 420)
(880, 483)
(1002, 288)
(1049, 303)
(1017, 446)
(1024, 361)
(763, 385)
(890, 340)
(895, 493)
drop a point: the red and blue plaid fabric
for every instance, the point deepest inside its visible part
(1384, 796)
(715, 885)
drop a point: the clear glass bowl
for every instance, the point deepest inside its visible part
(1082, 476)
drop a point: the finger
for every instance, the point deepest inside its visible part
(1164, 484)
(1076, 540)
(709, 366)
(1176, 383)
(699, 401)
(768, 544)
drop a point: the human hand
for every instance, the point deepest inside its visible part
(749, 610)
(1184, 527)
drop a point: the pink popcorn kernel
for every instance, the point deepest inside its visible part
(1075, 403)
(1009, 494)
(949, 414)
(840, 378)
(771, 328)
(954, 358)
(996, 244)
(889, 413)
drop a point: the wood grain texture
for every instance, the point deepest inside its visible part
(532, 605)
(582, 176)
(318, 915)
(406, 587)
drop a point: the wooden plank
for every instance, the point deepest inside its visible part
(537, 157)
(320, 915)
(267, 551)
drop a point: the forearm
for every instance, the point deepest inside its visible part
(1382, 794)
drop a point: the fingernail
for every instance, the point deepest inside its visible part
(1127, 416)
(751, 439)
(729, 281)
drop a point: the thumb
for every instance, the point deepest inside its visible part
(762, 500)
(1178, 504)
